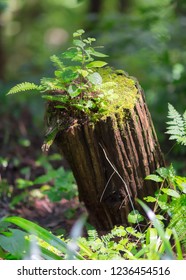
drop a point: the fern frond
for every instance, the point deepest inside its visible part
(57, 62)
(178, 217)
(92, 235)
(26, 86)
(177, 126)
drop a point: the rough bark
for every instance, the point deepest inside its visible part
(110, 159)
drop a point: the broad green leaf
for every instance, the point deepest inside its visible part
(166, 173)
(73, 91)
(95, 78)
(154, 178)
(79, 43)
(98, 54)
(171, 192)
(43, 234)
(18, 243)
(135, 217)
(96, 64)
(15, 242)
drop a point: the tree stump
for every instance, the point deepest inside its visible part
(110, 159)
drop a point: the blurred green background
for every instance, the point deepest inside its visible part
(147, 39)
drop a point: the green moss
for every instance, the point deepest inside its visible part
(118, 94)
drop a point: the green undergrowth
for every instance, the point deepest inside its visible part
(54, 182)
(164, 236)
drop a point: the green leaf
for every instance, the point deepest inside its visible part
(73, 91)
(178, 246)
(159, 228)
(154, 178)
(68, 75)
(45, 178)
(95, 78)
(48, 255)
(59, 98)
(160, 217)
(78, 33)
(43, 234)
(79, 43)
(181, 183)
(176, 127)
(152, 238)
(166, 172)
(70, 53)
(57, 62)
(15, 242)
(168, 233)
(22, 183)
(171, 192)
(135, 217)
(96, 64)
(98, 54)
(49, 138)
(83, 73)
(149, 199)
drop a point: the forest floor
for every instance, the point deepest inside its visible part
(20, 147)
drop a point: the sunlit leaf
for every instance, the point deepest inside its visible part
(135, 217)
(149, 199)
(96, 64)
(78, 33)
(79, 43)
(154, 178)
(171, 192)
(95, 78)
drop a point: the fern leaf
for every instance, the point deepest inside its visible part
(26, 86)
(57, 62)
(177, 126)
(92, 235)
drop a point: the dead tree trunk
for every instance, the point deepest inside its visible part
(110, 159)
